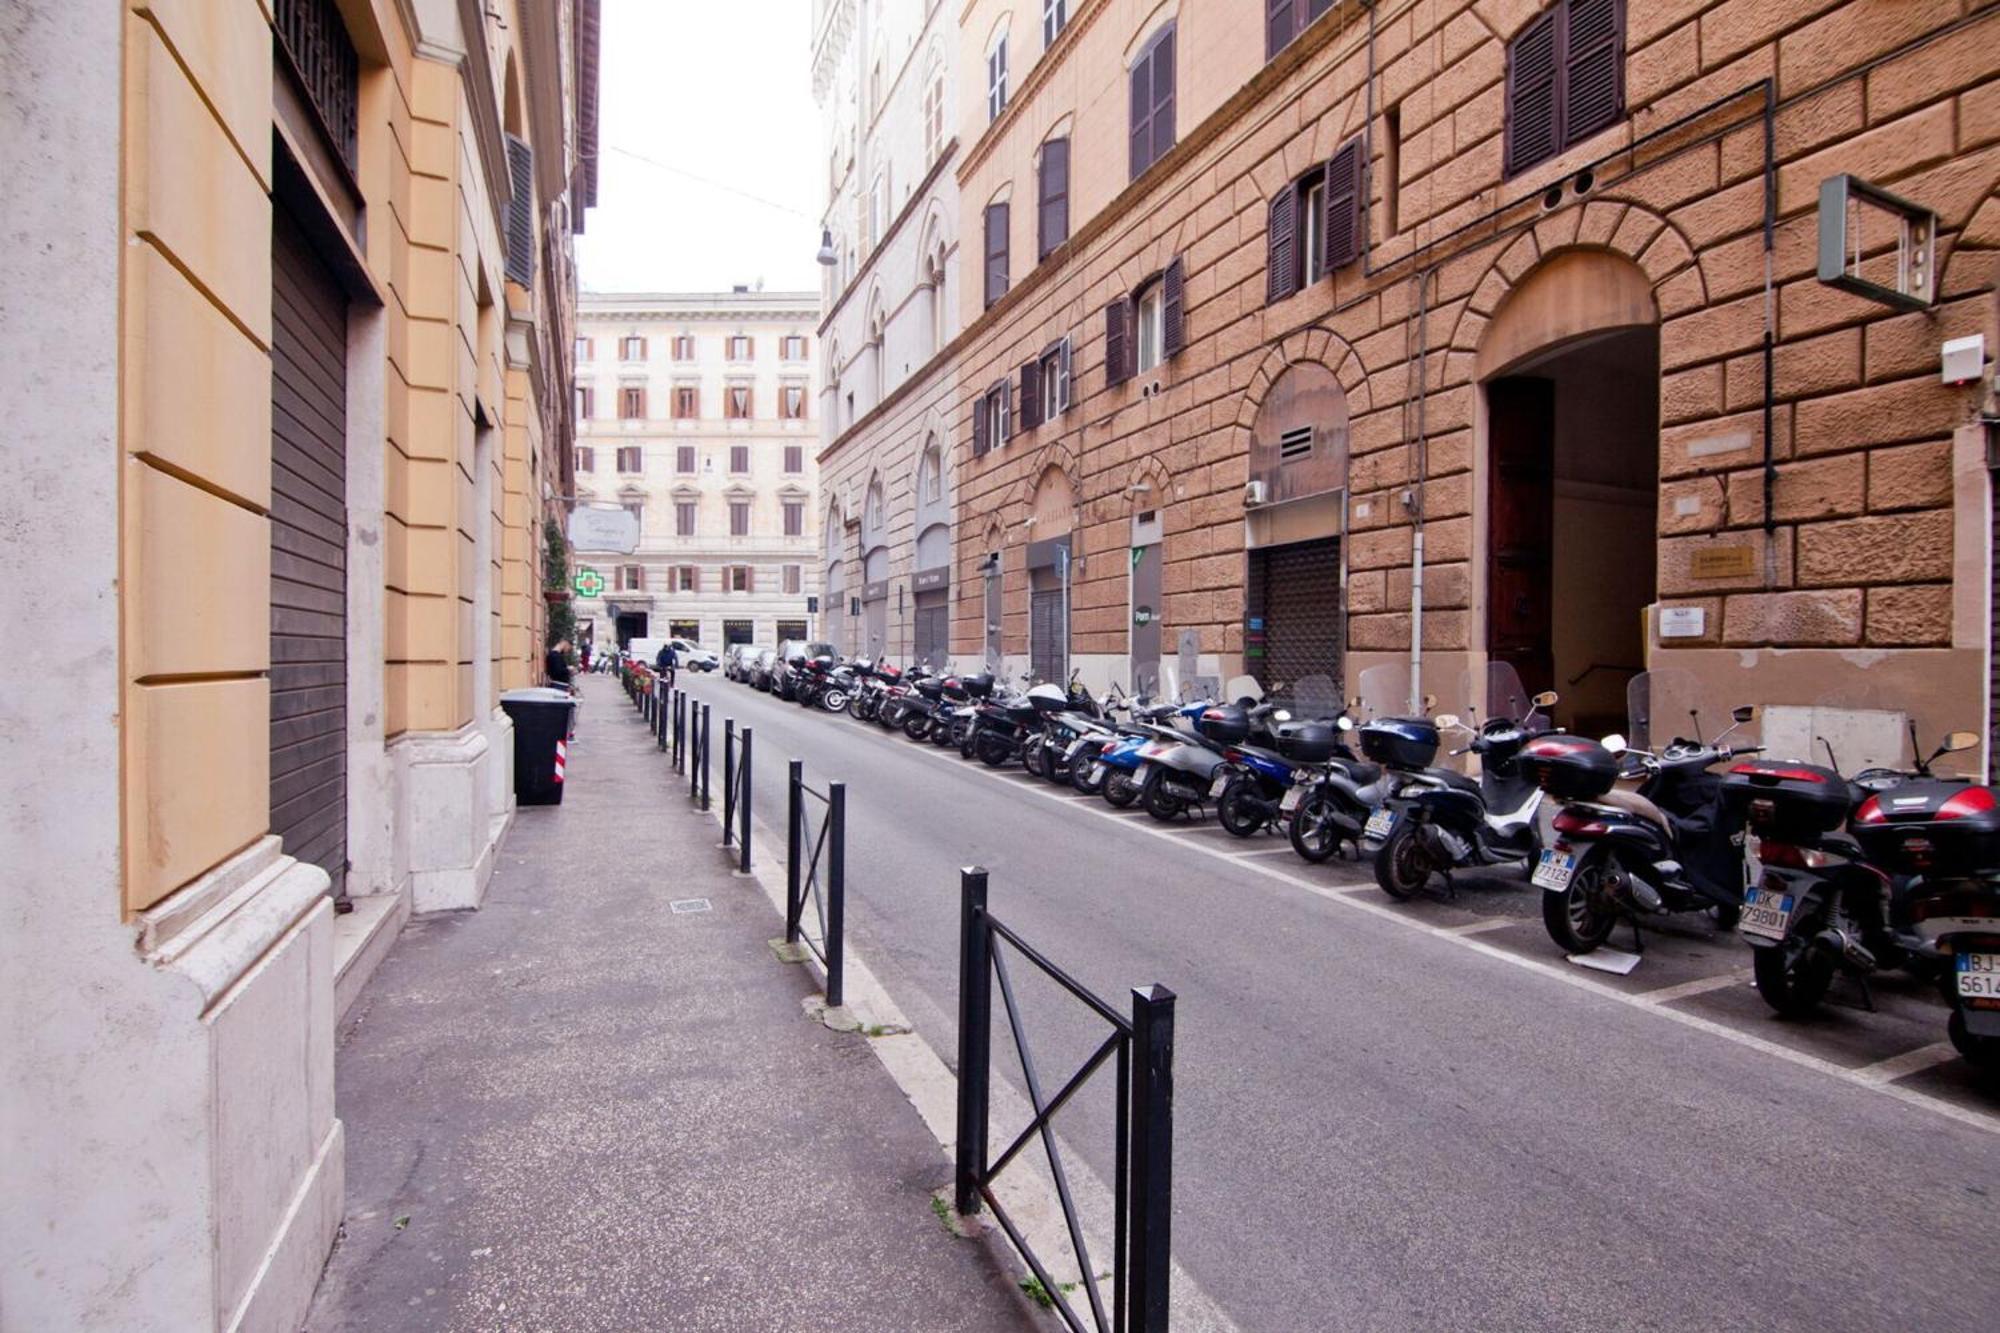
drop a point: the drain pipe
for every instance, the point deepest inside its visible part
(1770, 325)
(1413, 498)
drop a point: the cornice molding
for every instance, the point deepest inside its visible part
(998, 128)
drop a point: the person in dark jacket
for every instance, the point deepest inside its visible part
(666, 661)
(557, 664)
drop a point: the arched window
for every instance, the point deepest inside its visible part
(930, 473)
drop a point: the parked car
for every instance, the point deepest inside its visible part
(738, 659)
(695, 657)
(782, 683)
(763, 670)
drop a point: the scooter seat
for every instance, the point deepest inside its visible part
(1454, 779)
(1362, 773)
(1632, 803)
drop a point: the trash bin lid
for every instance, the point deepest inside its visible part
(537, 694)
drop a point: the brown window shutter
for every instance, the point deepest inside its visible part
(520, 212)
(1031, 395)
(1281, 264)
(1280, 26)
(996, 252)
(1142, 114)
(1531, 132)
(1052, 211)
(980, 442)
(1173, 308)
(1344, 205)
(1593, 67)
(749, 578)
(1006, 391)
(1117, 339)
(1163, 94)
(1063, 389)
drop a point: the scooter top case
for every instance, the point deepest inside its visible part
(1400, 742)
(1935, 827)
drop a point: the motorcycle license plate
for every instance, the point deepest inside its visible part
(1766, 912)
(1979, 976)
(1217, 787)
(1380, 823)
(1552, 872)
(1294, 798)
(1139, 774)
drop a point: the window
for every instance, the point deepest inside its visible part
(632, 349)
(635, 505)
(930, 475)
(1055, 13)
(934, 117)
(738, 402)
(792, 347)
(794, 579)
(1052, 197)
(1286, 19)
(1316, 224)
(996, 79)
(1565, 79)
(1045, 385)
(795, 518)
(586, 458)
(795, 459)
(1153, 101)
(585, 349)
(993, 418)
(631, 578)
(739, 459)
(741, 347)
(739, 518)
(1146, 328)
(684, 518)
(631, 459)
(687, 402)
(875, 86)
(684, 460)
(996, 252)
(631, 403)
(1392, 168)
(586, 402)
(738, 578)
(792, 402)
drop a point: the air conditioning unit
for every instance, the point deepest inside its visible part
(1253, 494)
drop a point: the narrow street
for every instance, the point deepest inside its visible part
(1394, 1114)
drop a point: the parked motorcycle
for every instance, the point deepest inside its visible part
(1438, 820)
(1176, 775)
(1114, 771)
(1301, 739)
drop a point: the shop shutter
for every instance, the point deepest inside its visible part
(1117, 342)
(520, 212)
(1295, 591)
(1173, 309)
(1531, 133)
(1593, 67)
(1344, 205)
(1279, 26)
(1052, 211)
(1031, 395)
(1047, 634)
(1281, 263)
(308, 523)
(996, 252)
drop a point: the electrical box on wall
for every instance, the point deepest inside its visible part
(1964, 359)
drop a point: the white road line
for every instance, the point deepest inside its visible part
(1481, 927)
(1548, 970)
(1909, 1062)
(1699, 986)
(1261, 851)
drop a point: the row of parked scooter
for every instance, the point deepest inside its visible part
(1822, 874)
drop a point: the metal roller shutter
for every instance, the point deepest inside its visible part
(1048, 636)
(932, 628)
(308, 553)
(1295, 593)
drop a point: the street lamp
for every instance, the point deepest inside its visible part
(826, 255)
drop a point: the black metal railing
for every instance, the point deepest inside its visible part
(816, 869)
(314, 40)
(1142, 1047)
(697, 753)
(678, 745)
(736, 790)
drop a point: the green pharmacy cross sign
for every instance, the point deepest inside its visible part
(588, 582)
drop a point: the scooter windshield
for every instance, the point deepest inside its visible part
(1507, 698)
(1385, 691)
(1314, 699)
(1671, 703)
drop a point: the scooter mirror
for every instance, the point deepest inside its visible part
(1744, 713)
(1546, 699)
(1614, 743)
(1446, 721)
(1346, 723)
(1430, 702)
(1960, 740)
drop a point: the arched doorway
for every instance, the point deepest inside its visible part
(875, 570)
(1051, 523)
(930, 584)
(1295, 621)
(1570, 372)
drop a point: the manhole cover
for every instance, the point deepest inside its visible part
(686, 905)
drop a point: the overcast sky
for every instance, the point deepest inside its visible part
(720, 96)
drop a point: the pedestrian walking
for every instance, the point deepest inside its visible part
(556, 667)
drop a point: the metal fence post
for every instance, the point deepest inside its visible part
(975, 1032)
(1150, 1253)
(836, 893)
(743, 805)
(728, 780)
(707, 733)
(792, 817)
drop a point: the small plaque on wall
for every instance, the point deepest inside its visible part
(1723, 562)
(1683, 622)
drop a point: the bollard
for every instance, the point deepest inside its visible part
(836, 893)
(793, 817)
(1151, 1253)
(706, 732)
(728, 781)
(743, 807)
(975, 1033)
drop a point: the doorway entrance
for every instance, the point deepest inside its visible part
(1572, 528)
(1295, 621)
(631, 625)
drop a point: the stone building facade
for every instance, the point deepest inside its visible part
(1431, 335)
(696, 411)
(303, 277)
(885, 77)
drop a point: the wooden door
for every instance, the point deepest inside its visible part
(1520, 530)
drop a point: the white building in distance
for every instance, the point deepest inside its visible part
(696, 412)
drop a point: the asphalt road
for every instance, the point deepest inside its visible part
(1392, 1116)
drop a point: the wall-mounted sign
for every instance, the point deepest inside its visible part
(1723, 562)
(812, 606)
(875, 592)
(1683, 622)
(595, 528)
(931, 580)
(1142, 615)
(588, 582)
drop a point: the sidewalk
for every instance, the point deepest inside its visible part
(577, 1110)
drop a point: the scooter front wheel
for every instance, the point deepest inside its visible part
(1237, 811)
(1402, 866)
(1792, 976)
(1980, 1052)
(1160, 802)
(1035, 758)
(916, 726)
(1314, 834)
(1119, 791)
(992, 749)
(1086, 771)
(1580, 917)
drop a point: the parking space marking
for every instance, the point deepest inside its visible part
(1481, 927)
(1909, 1062)
(1699, 986)
(1554, 971)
